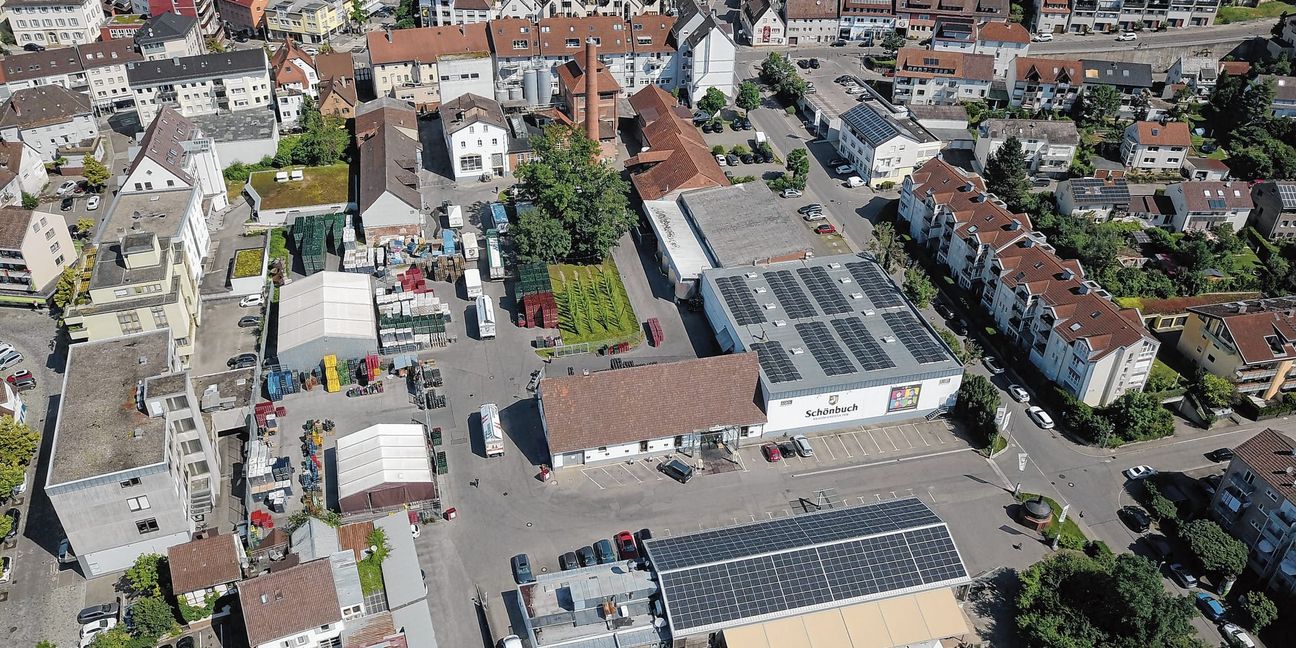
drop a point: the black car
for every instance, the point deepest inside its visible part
(67, 204)
(803, 64)
(522, 569)
(814, 63)
(842, 79)
(732, 159)
(1135, 518)
(1221, 454)
(249, 321)
(810, 208)
(242, 361)
(943, 310)
(745, 123)
(766, 157)
(747, 158)
(1040, 182)
(677, 470)
(640, 536)
(14, 516)
(958, 327)
(96, 612)
(836, 162)
(838, 43)
(586, 555)
(33, 47)
(1159, 547)
(568, 561)
(185, 642)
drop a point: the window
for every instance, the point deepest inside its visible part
(133, 481)
(138, 503)
(54, 248)
(470, 162)
(520, 44)
(1248, 477)
(146, 526)
(159, 316)
(192, 446)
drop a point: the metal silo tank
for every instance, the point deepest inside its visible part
(546, 86)
(529, 87)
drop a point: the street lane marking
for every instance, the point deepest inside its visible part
(879, 463)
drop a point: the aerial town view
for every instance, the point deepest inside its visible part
(647, 323)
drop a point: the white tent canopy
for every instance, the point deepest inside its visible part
(379, 454)
(324, 310)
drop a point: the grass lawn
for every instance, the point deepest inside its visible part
(1238, 14)
(234, 190)
(320, 186)
(279, 245)
(1247, 260)
(1069, 528)
(592, 304)
(371, 579)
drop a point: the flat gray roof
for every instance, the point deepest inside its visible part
(837, 321)
(741, 224)
(159, 212)
(101, 429)
(110, 267)
(237, 126)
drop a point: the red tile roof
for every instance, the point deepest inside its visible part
(1173, 305)
(557, 34)
(200, 564)
(1048, 70)
(1263, 330)
(650, 33)
(1270, 456)
(1216, 195)
(283, 68)
(334, 65)
(1149, 133)
(505, 32)
(810, 9)
(1005, 32)
(285, 603)
(678, 157)
(1235, 68)
(427, 44)
(626, 405)
(917, 63)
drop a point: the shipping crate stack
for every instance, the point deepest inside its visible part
(331, 382)
(539, 308)
(446, 268)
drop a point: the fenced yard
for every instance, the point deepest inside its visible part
(592, 304)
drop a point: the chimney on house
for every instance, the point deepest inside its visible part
(591, 89)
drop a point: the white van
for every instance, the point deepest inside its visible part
(854, 181)
(472, 283)
(469, 243)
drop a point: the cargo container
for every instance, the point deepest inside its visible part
(472, 283)
(485, 318)
(454, 215)
(448, 242)
(494, 260)
(492, 431)
(469, 243)
(499, 217)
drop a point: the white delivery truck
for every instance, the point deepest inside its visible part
(492, 431)
(485, 318)
(760, 138)
(454, 215)
(469, 243)
(472, 283)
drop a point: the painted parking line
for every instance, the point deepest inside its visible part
(628, 472)
(918, 432)
(590, 477)
(615, 475)
(855, 435)
(903, 435)
(845, 447)
(828, 447)
(874, 440)
(887, 433)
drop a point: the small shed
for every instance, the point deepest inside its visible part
(383, 467)
(326, 313)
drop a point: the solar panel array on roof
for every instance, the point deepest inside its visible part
(1287, 192)
(872, 127)
(775, 362)
(824, 290)
(915, 338)
(1217, 203)
(876, 285)
(717, 578)
(825, 349)
(861, 343)
(790, 296)
(740, 301)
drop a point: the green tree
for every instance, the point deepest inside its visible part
(886, 247)
(1139, 416)
(749, 96)
(1161, 507)
(539, 238)
(1256, 611)
(18, 442)
(84, 226)
(378, 540)
(892, 43)
(214, 45)
(358, 14)
(152, 618)
(1212, 390)
(115, 638)
(778, 73)
(406, 14)
(143, 576)
(6, 523)
(1099, 103)
(798, 162)
(66, 288)
(1005, 174)
(96, 174)
(1070, 600)
(713, 101)
(568, 182)
(1215, 549)
(1016, 13)
(309, 117)
(918, 287)
(972, 351)
(29, 201)
(978, 400)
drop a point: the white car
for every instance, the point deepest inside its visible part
(511, 641)
(844, 169)
(66, 188)
(1236, 636)
(1040, 417)
(992, 365)
(1126, 36)
(814, 216)
(251, 300)
(92, 203)
(802, 445)
(1140, 472)
(6, 568)
(1019, 393)
(414, 530)
(90, 630)
(791, 193)
(1042, 37)
(720, 159)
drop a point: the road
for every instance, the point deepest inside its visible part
(1187, 37)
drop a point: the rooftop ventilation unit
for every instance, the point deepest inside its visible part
(797, 350)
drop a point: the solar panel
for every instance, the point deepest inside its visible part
(738, 298)
(915, 338)
(825, 349)
(775, 361)
(881, 292)
(790, 295)
(861, 343)
(829, 296)
(1287, 192)
(871, 126)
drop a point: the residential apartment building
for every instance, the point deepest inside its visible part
(1052, 16)
(1197, 73)
(1256, 503)
(1049, 145)
(431, 65)
(308, 21)
(1044, 84)
(297, 606)
(918, 17)
(706, 51)
(1274, 215)
(170, 35)
(209, 22)
(48, 118)
(133, 469)
(34, 249)
(760, 24)
(244, 16)
(337, 85)
(202, 85)
(21, 171)
(866, 20)
(1153, 146)
(1107, 16)
(1066, 326)
(476, 136)
(1004, 41)
(1192, 13)
(434, 13)
(54, 23)
(175, 154)
(1284, 101)
(96, 69)
(295, 78)
(122, 26)
(883, 142)
(1133, 80)
(105, 75)
(811, 22)
(1097, 198)
(941, 78)
(1250, 343)
(1206, 204)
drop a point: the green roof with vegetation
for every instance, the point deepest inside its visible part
(247, 263)
(319, 186)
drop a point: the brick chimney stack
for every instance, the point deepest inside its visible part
(591, 89)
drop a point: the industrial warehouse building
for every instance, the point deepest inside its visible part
(326, 313)
(839, 344)
(383, 467)
(618, 414)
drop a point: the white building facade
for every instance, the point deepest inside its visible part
(52, 23)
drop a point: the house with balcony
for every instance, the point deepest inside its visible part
(1154, 146)
(883, 142)
(210, 24)
(295, 78)
(1052, 16)
(1064, 324)
(1256, 503)
(1274, 215)
(917, 18)
(244, 16)
(54, 23)
(1132, 80)
(48, 118)
(298, 606)
(1044, 84)
(1206, 204)
(34, 249)
(225, 82)
(1192, 13)
(1284, 101)
(173, 154)
(706, 52)
(170, 35)
(1098, 197)
(1197, 73)
(428, 66)
(94, 69)
(1049, 145)
(941, 78)
(307, 21)
(206, 566)
(866, 20)
(1250, 343)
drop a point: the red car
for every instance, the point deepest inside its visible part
(626, 546)
(19, 375)
(825, 229)
(771, 452)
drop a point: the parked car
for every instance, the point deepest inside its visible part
(843, 79)
(1040, 417)
(22, 381)
(838, 43)
(34, 47)
(1236, 636)
(766, 157)
(992, 365)
(813, 216)
(92, 203)
(802, 445)
(586, 555)
(252, 300)
(1159, 546)
(522, 569)
(1140, 472)
(771, 452)
(825, 229)
(1135, 518)
(568, 561)
(843, 169)
(249, 321)
(65, 555)
(67, 204)
(626, 547)
(747, 158)
(1210, 484)
(242, 361)
(66, 188)
(804, 64)
(1220, 454)
(511, 641)
(91, 630)
(722, 160)
(604, 552)
(9, 357)
(1042, 37)
(6, 568)
(943, 310)
(18, 375)
(958, 327)
(838, 161)
(1210, 606)
(640, 536)
(97, 612)
(1126, 36)
(15, 516)
(814, 64)
(791, 193)
(810, 208)
(732, 159)
(677, 470)
(1179, 574)
(1019, 393)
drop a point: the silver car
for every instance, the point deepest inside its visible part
(802, 445)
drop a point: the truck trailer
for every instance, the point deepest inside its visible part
(469, 243)
(494, 259)
(472, 283)
(492, 431)
(485, 318)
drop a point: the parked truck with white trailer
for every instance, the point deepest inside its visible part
(469, 243)
(494, 259)
(454, 215)
(485, 317)
(472, 283)
(492, 431)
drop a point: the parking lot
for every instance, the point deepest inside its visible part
(221, 337)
